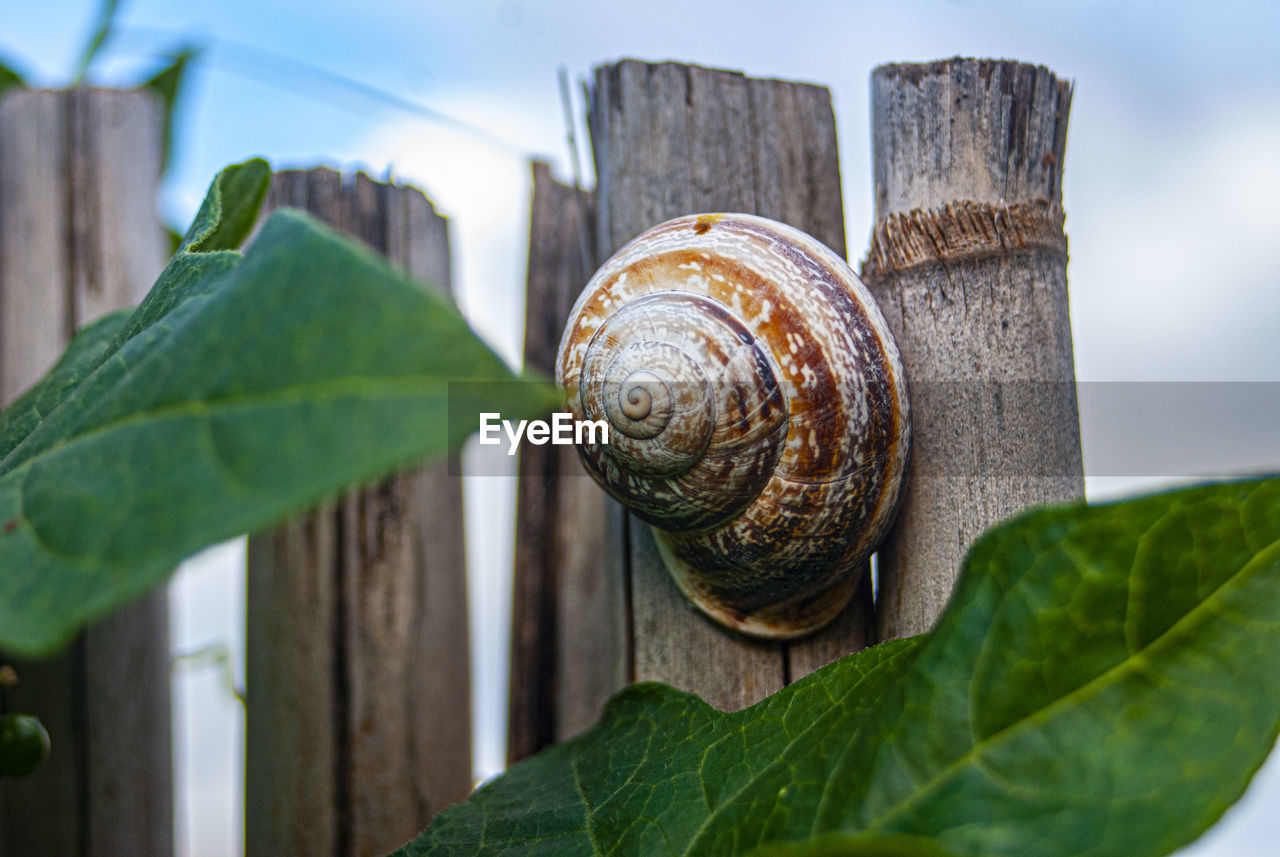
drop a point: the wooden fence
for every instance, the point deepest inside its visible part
(78, 238)
(568, 623)
(968, 262)
(358, 728)
(358, 693)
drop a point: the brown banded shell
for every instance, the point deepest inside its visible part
(757, 409)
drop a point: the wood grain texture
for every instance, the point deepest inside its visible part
(290, 724)
(592, 636)
(358, 727)
(35, 316)
(79, 238)
(568, 624)
(671, 140)
(969, 267)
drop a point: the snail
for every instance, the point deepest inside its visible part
(757, 412)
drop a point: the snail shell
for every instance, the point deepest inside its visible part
(757, 411)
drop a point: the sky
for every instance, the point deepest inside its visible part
(1170, 186)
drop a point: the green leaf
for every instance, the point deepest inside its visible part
(243, 388)
(229, 210)
(223, 221)
(175, 238)
(82, 356)
(894, 845)
(167, 84)
(10, 77)
(663, 767)
(1104, 683)
(102, 30)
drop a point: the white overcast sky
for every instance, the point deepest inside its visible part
(1171, 186)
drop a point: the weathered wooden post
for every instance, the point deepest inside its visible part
(968, 262)
(669, 140)
(78, 238)
(358, 704)
(568, 621)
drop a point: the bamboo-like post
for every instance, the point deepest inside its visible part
(670, 140)
(78, 238)
(968, 262)
(568, 623)
(358, 720)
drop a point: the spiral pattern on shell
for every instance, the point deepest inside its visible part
(757, 409)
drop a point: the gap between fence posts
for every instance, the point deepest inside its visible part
(968, 263)
(568, 620)
(79, 238)
(358, 726)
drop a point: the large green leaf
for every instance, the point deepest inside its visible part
(86, 353)
(241, 389)
(1105, 681)
(224, 220)
(868, 845)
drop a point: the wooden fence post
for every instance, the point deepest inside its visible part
(968, 262)
(671, 140)
(78, 238)
(568, 622)
(358, 720)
